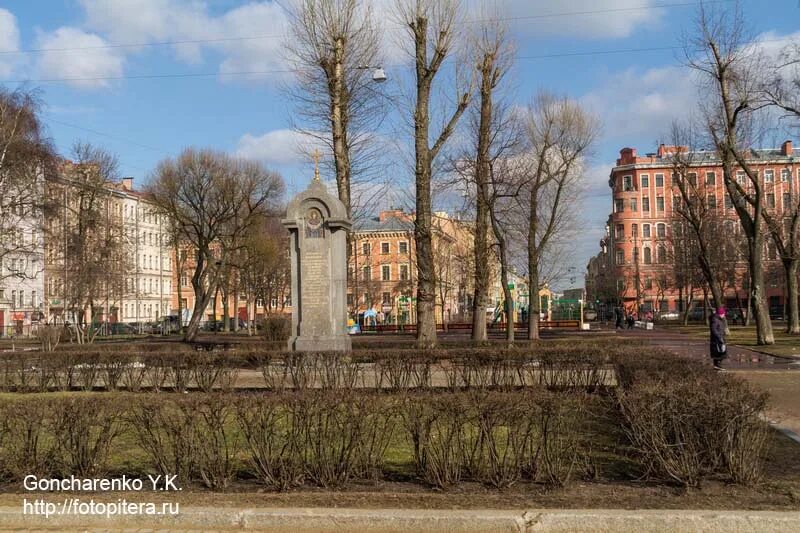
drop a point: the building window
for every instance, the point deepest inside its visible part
(728, 201)
(785, 175)
(661, 230)
(662, 254)
(645, 180)
(384, 248)
(691, 177)
(366, 273)
(620, 257)
(633, 205)
(648, 283)
(659, 180)
(627, 183)
(646, 205)
(648, 256)
(386, 273)
(769, 176)
(365, 248)
(770, 199)
(740, 177)
(646, 231)
(386, 298)
(619, 231)
(634, 230)
(787, 200)
(403, 247)
(711, 178)
(674, 179)
(619, 205)
(349, 298)
(403, 272)
(711, 201)
(659, 203)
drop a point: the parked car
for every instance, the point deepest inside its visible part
(669, 315)
(776, 312)
(589, 315)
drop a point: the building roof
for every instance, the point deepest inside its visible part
(375, 224)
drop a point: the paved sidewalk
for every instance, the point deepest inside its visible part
(400, 521)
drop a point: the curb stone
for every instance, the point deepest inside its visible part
(418, 520)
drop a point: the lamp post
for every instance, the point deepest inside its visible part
(378, 74)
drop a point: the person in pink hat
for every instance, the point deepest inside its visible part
(719, 349)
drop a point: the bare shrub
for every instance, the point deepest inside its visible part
(504, 432)
(26, 446)
(217, 439)
(689, 430)
(166, 433)
(84, 429)
(436, 425)
(277, 328)
(332, 429)
(49, 336)
(561, 417)
(272, 439)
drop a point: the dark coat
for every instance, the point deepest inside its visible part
(717, 335)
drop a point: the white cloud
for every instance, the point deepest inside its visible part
(9, 42)
(279, 147)
(635, 102)
(585, 19)
(230, 34)
(84, 67)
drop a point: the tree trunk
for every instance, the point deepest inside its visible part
(793, 316)
(533, 267)
(534, 304)
(426, 274)
(764, 333)
(226, 311)
(192, 329)
(482, 171)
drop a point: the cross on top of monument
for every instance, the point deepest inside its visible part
(316, 155)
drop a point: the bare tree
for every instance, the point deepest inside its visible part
(560, 136)
(493, 59)
(783, 91)
(431, 25)
(89, 260)
(215, 201)
(729, 67)
(26, 157)
(332, 45)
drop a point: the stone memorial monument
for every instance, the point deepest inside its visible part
(318, 225)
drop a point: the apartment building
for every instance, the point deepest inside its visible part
(382, 268)
(21, 273)
(637, 263)
(120, 268)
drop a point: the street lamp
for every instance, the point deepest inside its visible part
(378, 74)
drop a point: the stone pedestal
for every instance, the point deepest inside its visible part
(318, 226)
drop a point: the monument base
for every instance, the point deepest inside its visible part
(332, 343)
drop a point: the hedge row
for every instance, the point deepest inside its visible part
(677, 432)
(215, 371)
(323, 438)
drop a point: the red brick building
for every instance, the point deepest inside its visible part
(636, 266)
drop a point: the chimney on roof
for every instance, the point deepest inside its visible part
(786, 148)
(127, 183)
(391, 213)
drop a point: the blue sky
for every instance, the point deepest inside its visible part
(112, 97)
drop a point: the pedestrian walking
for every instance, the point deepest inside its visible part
(617, 318)
(718, 348)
